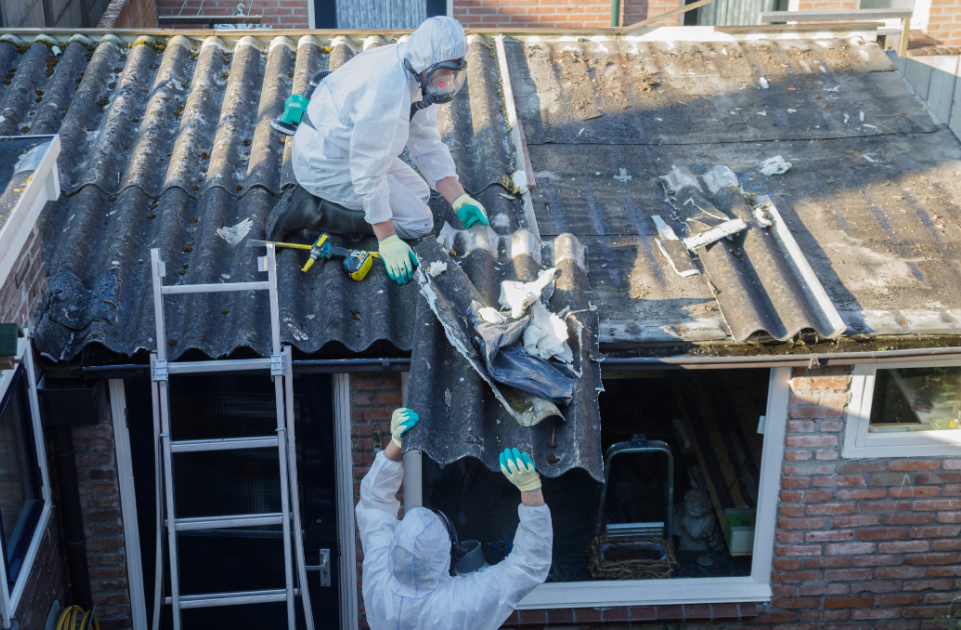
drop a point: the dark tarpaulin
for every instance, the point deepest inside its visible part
(460, 414)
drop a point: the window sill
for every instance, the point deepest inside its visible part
(568, 616)
(605, 594)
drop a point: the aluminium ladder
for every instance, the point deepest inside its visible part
(284, 440)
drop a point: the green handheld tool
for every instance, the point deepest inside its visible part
(296, 106)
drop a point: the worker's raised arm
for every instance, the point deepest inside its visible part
(485, 599)
(378, 507)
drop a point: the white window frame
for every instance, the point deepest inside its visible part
(753, 588)
(10, 599)
(859, 444)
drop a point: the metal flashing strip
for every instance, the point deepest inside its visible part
(520, 166)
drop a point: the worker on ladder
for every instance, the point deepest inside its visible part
(350, 179)
(407, 581)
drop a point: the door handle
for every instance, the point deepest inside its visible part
(323, 567)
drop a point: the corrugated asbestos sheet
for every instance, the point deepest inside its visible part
(871, 198)
(460, 416)
(165, 144)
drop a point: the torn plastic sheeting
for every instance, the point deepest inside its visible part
(508, 364)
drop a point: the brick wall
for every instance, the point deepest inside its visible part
(130, 14)
(556, 13)
(276, 13)
(944, 24)
(373, 397)
(23, 289)
(96, 461)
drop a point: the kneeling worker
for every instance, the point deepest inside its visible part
(350, 179)
(407, 581)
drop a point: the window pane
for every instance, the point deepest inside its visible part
(19, 491)
(916, 399)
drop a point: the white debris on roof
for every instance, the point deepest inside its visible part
(436, 268)
(236, 233)
(518, 296)
(764, 84)
(774, 166)
(546, 336)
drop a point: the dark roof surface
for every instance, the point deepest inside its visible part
(168, 141)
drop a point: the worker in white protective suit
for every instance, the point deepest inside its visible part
(407, 581)
(350, 179)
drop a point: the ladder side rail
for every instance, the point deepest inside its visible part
(295, 498)
(158, 271)
(282, 433)
(158, 498)
(169, 494)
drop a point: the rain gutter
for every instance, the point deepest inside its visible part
(788, 360)
(307, 366)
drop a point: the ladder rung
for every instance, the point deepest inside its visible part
(236, 598)
(218, 287)
(224, 522)
(196, 446)
(216, 367)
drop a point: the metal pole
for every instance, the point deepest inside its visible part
(73, 534)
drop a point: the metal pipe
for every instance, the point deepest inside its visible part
(787, 360)
(615, 13)
(343, 366)
(73, 534)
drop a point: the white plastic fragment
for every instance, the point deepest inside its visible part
(491, 315)
(774, 166)
(761, 215)
(791, 110)
(546, 336)
(764, 84)
(861, 116)
(236, 233)
(762, 113)
(436, 268)
(518, 296)
(623, 176)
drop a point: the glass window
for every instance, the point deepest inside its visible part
(683, 460)
(916, 399)
(21, 501)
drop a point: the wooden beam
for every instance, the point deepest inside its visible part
(834, 14)
(800, 28)
(209, 19)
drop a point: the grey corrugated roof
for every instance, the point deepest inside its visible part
(166, 142)
(871, 203)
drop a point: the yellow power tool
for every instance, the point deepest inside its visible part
(357, 262)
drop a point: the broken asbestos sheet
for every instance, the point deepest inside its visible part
(463, 410)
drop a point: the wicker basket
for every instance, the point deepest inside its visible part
(630, 558)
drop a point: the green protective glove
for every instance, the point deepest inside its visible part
(401, 422)
(398, 258)
(470, 211)
(519, 470)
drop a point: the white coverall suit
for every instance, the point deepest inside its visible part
(361, 118)
(406, 580)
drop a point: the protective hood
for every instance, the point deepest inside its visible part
(437, 39)
(420, 553)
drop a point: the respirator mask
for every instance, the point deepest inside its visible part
(457, 551)
(440, 82)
